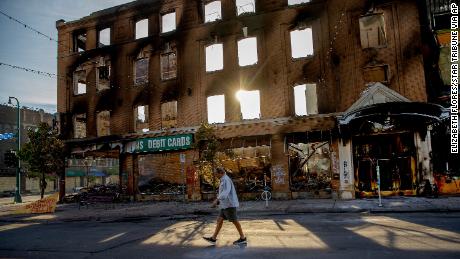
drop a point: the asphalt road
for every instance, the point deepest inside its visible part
(346, 235)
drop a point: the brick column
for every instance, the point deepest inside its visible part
(280, 169)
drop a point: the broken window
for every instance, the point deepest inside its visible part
(301, 43)
(372, 31)
(374, 74)
(168, 65)
(249, 104)
(141, 68)
(79, 125)
(103, 123)
(296, 2)
(142, 29)
(79, 79)
(305, 99)
(168, 22)
(169, 114)
(214, 57)
(216, 109)
(104, 37)
(79, 41)
(247, 51)
(212, 11)
(245, 6)
(103, 75)
(141, 118)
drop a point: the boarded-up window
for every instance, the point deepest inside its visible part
(247, 51)
(216, 109)
(168, 66)
(301, 43)
(79, 125)
(214, 57)
(141, 118)
(372, 31)
(168, 22)
(79, 41)
(305, 99)
(249, 104)
(245, 6)
(79, 82)
(142, 29)
(104, 37)
(103, 123)
(295, 2)
(169, 115)
(141, 67)
(212, 11)
(376, 74)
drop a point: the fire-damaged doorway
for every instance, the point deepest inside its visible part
(395, 157)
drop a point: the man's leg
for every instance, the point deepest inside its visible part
(220, 222)
(238, 227)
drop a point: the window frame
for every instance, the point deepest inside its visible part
(135, 28)
(206, 3)
(173, 11)
(99, 44)
(76, 82)
(168, 53)
(238, 51)
(302, 28)
(207, 107)
(206, 57)
(245, 13)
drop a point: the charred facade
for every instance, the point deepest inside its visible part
(312, 97)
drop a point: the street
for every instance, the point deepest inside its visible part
(328, 235)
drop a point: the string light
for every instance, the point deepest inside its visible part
(51, 75)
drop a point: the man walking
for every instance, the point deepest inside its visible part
(228, 202)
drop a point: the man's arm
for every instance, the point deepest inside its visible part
(226, 188)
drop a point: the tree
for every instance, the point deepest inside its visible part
(44, 154)
(207, 144)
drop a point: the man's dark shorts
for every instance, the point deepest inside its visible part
(228, 214)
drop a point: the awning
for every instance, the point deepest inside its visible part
(426, 113)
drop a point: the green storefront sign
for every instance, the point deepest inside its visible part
(177, 142)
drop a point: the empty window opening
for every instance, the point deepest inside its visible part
(302, 43)
(305, 100)
(245, 6)
(212, 11)
(103, 75)
(249, 103)
(247, 51)
(104, 37)
(168, 22)
(79, 78)
(103, 123)
(142, 29)
(374, 74)
(141, 118)
(79, 41)
(296, 2)
(216, 109)
(79, 126)
(168, 66)
(214, 57)
(169, 115)
(372, 31)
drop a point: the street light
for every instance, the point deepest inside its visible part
(17, 193)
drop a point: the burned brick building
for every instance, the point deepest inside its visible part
(312, 96)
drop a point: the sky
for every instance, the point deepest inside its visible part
(22, 47)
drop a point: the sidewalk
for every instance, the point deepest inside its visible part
(136, 211)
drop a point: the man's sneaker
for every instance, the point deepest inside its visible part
(210, 240)
(240, 241)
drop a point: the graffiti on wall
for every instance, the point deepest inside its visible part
(278, 174)
(346, 172)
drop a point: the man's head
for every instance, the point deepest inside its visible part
(219, 171)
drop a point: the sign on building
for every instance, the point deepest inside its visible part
(166, 143)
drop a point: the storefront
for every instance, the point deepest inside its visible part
(161, 166)
(386, 139)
